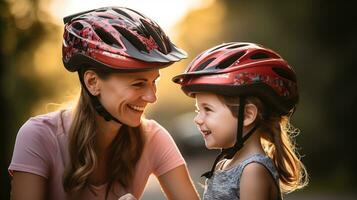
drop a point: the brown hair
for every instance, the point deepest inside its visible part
(277, 142)
(124, 152)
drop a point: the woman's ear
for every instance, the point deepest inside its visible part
(92, 82)
(250, 114)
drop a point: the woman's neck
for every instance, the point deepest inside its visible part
(106, 132)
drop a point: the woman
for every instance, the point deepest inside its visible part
(103, 148)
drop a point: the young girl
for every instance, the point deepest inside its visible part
(245, 95)
(103, 148)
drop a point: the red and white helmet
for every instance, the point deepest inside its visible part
(242, 69)
(118, 38)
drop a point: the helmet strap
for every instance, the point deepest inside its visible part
(96, 103)
(230, 152)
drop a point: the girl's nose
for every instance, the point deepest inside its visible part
(198, 119)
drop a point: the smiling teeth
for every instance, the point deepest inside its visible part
(206, 132)
(137, 108)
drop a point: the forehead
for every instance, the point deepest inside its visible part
(148, 75)
(209, 98)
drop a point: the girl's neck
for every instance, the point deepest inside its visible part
(251, 146)
(106, 132)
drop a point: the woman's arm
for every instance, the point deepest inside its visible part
(177, 184)
(27, 186)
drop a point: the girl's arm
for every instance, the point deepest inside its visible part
(257, 183)
(27, 186)
(177, 184)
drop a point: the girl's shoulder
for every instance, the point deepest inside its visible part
(259, 163)
(258, 175)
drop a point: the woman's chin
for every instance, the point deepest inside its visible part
(134, 123)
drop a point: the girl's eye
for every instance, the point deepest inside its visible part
(207, 109)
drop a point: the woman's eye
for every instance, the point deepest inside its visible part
(140, 84)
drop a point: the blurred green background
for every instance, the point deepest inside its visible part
(317, 38)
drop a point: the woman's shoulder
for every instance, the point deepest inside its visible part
(152, 127)
(154, 132)
(44, 124)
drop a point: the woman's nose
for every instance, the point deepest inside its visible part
(150, 95)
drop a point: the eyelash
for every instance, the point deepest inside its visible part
(141, 84)
(206, 109)
(138, 84)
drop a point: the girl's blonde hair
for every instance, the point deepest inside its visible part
(277, 142)
(124, 152)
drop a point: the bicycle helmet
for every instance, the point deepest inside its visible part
(117, 39)
(243, 70)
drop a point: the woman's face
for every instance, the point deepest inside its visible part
(215, 121)
(126, 95)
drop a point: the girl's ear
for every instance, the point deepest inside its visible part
(250, 114)
(92, 82)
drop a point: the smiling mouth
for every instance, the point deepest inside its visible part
(137, 108)
(206, 132)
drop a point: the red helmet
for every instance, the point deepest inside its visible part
(243, 69)
(118, 38)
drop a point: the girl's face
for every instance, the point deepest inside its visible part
(215, 121)
(126, 95)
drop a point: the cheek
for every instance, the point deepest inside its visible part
(226, 128)
(111, 96)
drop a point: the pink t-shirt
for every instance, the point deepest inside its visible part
(41, 148)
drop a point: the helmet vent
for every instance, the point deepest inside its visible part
(132, 38)
(155, 35)
(259, 55)
(167, 43)
(107, 38)
(104, 16)
(101, 10)
(229, 61)
(77, 26)
(285, 74)
(120, 12)
(237, 46)
(220, 46)
(204, 64)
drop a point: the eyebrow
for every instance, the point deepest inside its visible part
(204, 104)
(145, 79)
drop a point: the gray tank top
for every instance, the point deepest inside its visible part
(224, 184)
